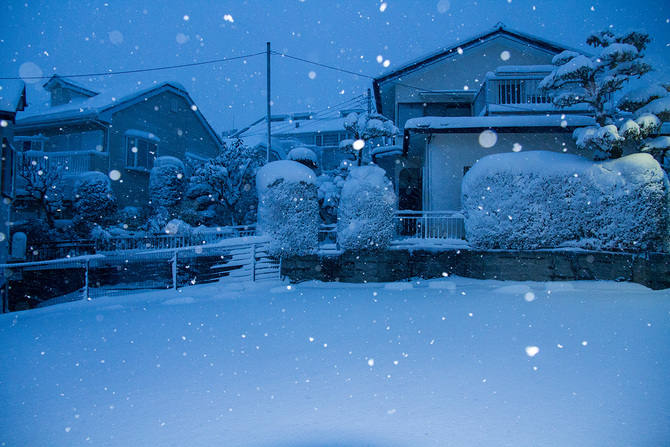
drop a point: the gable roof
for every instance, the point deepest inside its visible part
(101, 107)
(71, 85)
(462, 46)
(12, 96)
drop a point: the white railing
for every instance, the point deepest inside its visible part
(429, 225)
(171, 241)
(516, 91)
(70, 162)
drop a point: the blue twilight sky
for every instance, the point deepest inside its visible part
(82, 37)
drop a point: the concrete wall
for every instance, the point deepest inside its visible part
(651, 270)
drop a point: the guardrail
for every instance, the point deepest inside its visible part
(429, 225)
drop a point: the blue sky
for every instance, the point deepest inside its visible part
(77, 37)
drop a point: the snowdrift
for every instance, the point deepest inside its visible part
(542, 199)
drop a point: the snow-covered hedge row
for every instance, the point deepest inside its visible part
(288, 209)
(365, 214)
(542, 199)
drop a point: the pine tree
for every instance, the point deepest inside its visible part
(592, 80)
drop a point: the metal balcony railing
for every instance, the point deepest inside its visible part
(430, 225)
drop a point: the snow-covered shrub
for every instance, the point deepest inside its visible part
(543, 199)
(305, 156)
(288, 208)
(95, 204)
(166, 182)
(365, 214)
(225, 184)
(177, 226)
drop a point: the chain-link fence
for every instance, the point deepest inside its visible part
(36, 284)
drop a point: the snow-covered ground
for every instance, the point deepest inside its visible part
(455, 362)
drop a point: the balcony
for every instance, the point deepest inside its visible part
(71, 162)
(516, 90)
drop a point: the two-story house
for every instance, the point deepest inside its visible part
(320, 132)
(115, 132)
(463, 102)
(12, 101)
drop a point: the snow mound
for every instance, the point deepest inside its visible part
(288, 170)
(540, 199)
(302, 153)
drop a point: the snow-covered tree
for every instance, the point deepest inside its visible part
(42, 184)
(288, 209)
(365, 214)
(95, 204)
(228, 181)
(329, 186)
(592, 80)
(365, 128)
(167, 183)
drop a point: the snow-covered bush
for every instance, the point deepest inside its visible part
(225, 184)
(305, 156)
(543, 199)
(330, 186)
(288, 208)
(167, 185)
(95, 204)
(365, 214)
(166, 182)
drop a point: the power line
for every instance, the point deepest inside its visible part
(141, 70)
(323, 65)
(325, 114)
(422, 89)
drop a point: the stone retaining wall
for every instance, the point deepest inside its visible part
(650, 269)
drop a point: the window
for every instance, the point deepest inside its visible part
(34, 143)
(330, 139)
(318, 140)
(141, 152)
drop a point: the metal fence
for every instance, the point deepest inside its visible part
(43, 251)
(429, 225)
(35, 284)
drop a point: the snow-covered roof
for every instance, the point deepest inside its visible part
(451, 50)
(70, 84)
(294, 124)
(103, 105)
(12, 96)
(446, 124)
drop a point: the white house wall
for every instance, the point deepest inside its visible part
(460, 70)
(449, 153)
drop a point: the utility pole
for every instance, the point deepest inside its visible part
(369, 102)
(269, 104)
